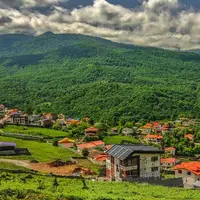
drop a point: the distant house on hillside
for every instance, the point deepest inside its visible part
(19, 119)
(35, 120)
(189, 171)
(167, 163)
(66, 143)
(47, 123)
(131, 161)
(170, 150)
(127, 131)
(91, 145)
(153, 138)
(92, 131)
(189, 136)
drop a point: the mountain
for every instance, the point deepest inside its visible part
(87, 76)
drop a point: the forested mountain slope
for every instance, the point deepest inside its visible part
(82, 75)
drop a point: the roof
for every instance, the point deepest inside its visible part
(91, 129)
(168, 160)
(193, 167)
(91, 144)
(101, 157)
(5, 144)
(154, 136)
(170, 149)
(123, 151)
(189, 136)
(66, 140)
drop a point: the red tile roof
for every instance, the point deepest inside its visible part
(91, 144)
(193, 167)
(168, 160)
(189, 136)
(154, 136)
(101, 157)
(170, 149)
(91, 129)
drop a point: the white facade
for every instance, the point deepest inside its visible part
(188, 177)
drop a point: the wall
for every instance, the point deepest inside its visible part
(188, 180)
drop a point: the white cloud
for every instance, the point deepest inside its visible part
(159, 23)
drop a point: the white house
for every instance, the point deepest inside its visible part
(189, 171)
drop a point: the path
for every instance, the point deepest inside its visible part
(20, 163)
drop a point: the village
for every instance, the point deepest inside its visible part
(165, 153)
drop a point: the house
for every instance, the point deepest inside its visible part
(92, 131)
(71, 121)
(189, 171)
(190, 137)
(17, 118)
(66, 143)
(170, 150)
(147, 129)
(127, 131)
(168, 162)
(49, 116)
(91, 145)
(100, 159)
(153, 138)
(47, 123)
(34, 120)
(133, 161)
(7, 148)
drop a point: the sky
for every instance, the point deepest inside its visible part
(158, 23)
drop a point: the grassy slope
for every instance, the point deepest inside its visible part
(35, 131)
(118, 139)
(42, 152)
(96, 190)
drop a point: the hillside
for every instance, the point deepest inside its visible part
(81, 75)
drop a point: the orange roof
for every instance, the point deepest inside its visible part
(91, 129)
(107, 147)
(193, 167)
(101, 157)
(65, 140)
(168, 160)
(189, 136)
(154, 136)
(170, 149)
(91, 144)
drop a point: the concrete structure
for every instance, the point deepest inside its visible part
(189, 172)
(131, 161)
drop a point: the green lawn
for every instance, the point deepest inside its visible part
(42, 152)
(11, 166)
(35, 131)
(18, 186)
(118, 139)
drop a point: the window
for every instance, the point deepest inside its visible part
(154, 159)
(189, 173)
(154, 169)
(117, 168)
(132, 172)
(180, 171)
(132, 161)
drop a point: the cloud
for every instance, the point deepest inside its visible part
(160, 23)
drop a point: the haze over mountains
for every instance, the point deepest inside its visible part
(82, 75)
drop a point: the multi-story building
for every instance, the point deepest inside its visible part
(131, 161)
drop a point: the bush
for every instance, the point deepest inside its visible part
(55, 143)
(85, 152)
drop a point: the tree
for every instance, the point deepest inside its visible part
(85, 152)
(55, 143)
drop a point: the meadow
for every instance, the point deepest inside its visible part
(35, 131)
(118, 139)
(23, 186)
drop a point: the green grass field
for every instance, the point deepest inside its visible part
(118, 139)
(42, 152)
(19, 186)
(35, 131)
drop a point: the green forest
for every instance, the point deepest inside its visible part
(87, 76)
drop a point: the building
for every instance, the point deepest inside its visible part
(7, 148)
(92, 131)
(100, 159)
(132, 161)
(127, 131)
(189, 171)
(153, 138)
(170, 150)
(35, 120)
(91, 145)
(167, 163)
(66, 143)
(17, 118)
(189, 136)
